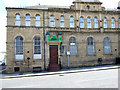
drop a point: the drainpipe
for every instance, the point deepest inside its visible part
(44, 37)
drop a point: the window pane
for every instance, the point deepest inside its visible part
(72, 40)
(27, 23)
(112, 23)
(17, 17)
(62, 21)
(19, 44)
(27, 20)
(71, 24)
(52, 18)
(17, 23)
(105, 23)
(61, 24)
(62, 18)
(107, 46)
(90, 46)
(72, 45)
(37, 20)
(37, 23)
(73, 49)
(52, 22)
(37, 45)
(71, 21)
(17, 20)
(27, 17)
(88, 22)
(37, 17)
(95, 22)
(81, 22)
(63, 50)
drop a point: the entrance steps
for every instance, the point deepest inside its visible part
(54, 67)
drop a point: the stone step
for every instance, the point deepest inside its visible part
(54, 67)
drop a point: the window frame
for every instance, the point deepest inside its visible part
(72, 43)
(112, 22)
(105, 22)
(72, 22)
(37, 20)
(81, 22)
(62, 23)
(37, 56)
(95, 22)
(108, 46)
(28, 20)
(17, 20)
(63, 50)
(52, 21)
(91, 45)
(17, 40)
(89, 22)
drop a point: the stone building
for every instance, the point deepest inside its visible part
(46, 37)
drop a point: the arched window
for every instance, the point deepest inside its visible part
(37, 20)
(95, 22)
(112, 22)
(119, 22)
(52, 21)
(81, 22)
(90, 46)
(105, 22)
(37, 48)
(62, 21)
(107, 46)
(88, 22)
(19, 48)
(17, 20)
(27, 20)
(72, 46)
(71, 21)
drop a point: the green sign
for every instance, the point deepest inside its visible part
(54, 38)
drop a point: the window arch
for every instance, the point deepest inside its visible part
(90, 46)
(105, 22)
(17, 20)
(81, 22)
(119, 22)
(37, 20)
(112, 22)
(107, 46)
(52, 21)
(88, 22)
(37, 48)
(71, 21)
(95, 22)
(27, 20)
(72, 46)
(19, 48)
(62, 21)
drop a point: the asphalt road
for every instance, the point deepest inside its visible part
(93, 79)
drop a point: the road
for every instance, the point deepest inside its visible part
(92, 79)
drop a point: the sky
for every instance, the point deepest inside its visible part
(18, 3)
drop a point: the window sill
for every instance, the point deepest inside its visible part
(36, 59)
(92, 55)
(73, 55)
(107, 54)
(18, 60)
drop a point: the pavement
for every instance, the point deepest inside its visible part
(63, 71)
